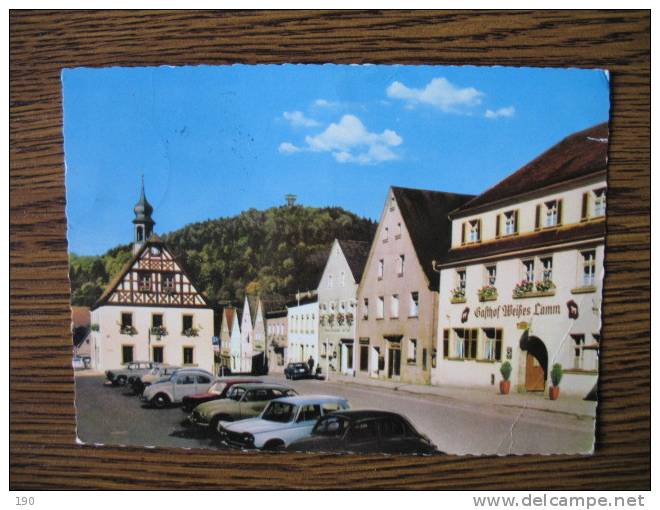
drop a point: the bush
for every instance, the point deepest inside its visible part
(556, 374)
(505, 370)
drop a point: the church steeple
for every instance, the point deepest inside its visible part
(144, 225)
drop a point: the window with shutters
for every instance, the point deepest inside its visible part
(510, 222)
(599, 202)
(551, 213)
(475, 231)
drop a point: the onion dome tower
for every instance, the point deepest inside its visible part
(143, 224)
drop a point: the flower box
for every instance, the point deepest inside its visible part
(458, 300)
(127, 330)
(487, 293)
(158, 331)
(190, 332)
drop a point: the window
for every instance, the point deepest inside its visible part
(546, 268)
(394, 306)
(399, 265)
(365, 308)
(203, 379)
(475, 231)
(599, 202)
(445, 343)
(392, 427)
(528, 270)
(466, 343)
(578, 351)
(157, 320)
(363, 431)
(380, 307)
(398, 231)
(588, 268)
(386, 234)
(187, 323)
(168, 282)
(364, 357)
(188, 355)
(185, 379)
(424, 356)
(343, 278)
(144, 282)
(491, 275)
(492, 348)
(381, 268)
(412, 350)
(461, 278)
(126, 354)
(414, 304)
(157, 354)
(510, 222)
(552, 213)
(309, 412)
(126, 320)
(329, 281)
(392, 203)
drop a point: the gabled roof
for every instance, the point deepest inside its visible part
(80, 316)
(356, 253)
(425, 214)
(578, 155)
(229, 313)
(153, 240)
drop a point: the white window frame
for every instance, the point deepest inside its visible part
(599, 202)
(394, 306)
(551, 213)
(526, 271)
(380, 307)
(381, 268)
(491, 274)
(414, 306)
(400, 265)
(474, 236)
(546, 270)
(588, 268)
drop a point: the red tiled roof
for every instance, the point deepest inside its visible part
(578, 155)
(80, 316)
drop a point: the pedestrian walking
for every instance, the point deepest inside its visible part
(310, 364)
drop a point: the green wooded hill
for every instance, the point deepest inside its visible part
(274, 253)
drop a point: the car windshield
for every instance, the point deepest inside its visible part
(217, 388)
(333, 426)
(280, 412)
(299, 365)
(236, 393)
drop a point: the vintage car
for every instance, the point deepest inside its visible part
(185, 381)
(364, 431)
(218, 390)
(296, 371)
(242, 401)
(158, 372)
(119, 376)
(283, 421)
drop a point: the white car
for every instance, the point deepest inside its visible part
(185, 381)
(282, 421)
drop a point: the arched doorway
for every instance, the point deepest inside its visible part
(536, 366)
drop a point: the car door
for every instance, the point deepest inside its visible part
(203, 383)
(307, 417)
(362, 437)
(253, 402)
(185, 385)
(394, 436)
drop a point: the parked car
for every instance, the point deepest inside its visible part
(119, 376)
(364, 431)
(78, 363)
(185, 381)
(297, 371)
(140, 382)
(218, 390)
(242, 401)
(283, 421)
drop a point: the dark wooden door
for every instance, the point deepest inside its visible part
(534, 374)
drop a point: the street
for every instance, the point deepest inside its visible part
(108, 415)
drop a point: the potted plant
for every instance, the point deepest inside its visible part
(556, 374)
(545, 286)
(522, 288)
(487, 293)
(505, 384)
(458, 295)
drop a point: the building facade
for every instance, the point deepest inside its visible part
(151, 311)
(397, 299)
(229, 334)
(276, 339)
(523, 279)
(303, 324)
(337, 294)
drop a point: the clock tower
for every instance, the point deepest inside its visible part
(143, 223)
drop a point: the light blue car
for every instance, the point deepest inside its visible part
(282, 421)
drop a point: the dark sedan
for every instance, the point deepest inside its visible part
(363, 431)
(297, 371)
(217, 391)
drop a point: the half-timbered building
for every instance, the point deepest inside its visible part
(151, 310)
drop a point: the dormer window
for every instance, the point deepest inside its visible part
(510, 222)
(551, 216)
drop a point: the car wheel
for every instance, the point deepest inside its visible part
(274, 445)
(160, 401)
(121, 380)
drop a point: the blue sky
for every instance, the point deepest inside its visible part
(213, 141)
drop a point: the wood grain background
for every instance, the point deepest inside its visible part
(42, 425)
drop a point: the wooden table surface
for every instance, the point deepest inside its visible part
(43, 453)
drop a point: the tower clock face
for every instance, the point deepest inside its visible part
(155, 250)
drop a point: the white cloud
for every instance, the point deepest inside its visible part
(508, 111)
(298, 118)
(324, 103)
(439, 92)
(288, 148)
(349, 141)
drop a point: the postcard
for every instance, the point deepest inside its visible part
(337, 258)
